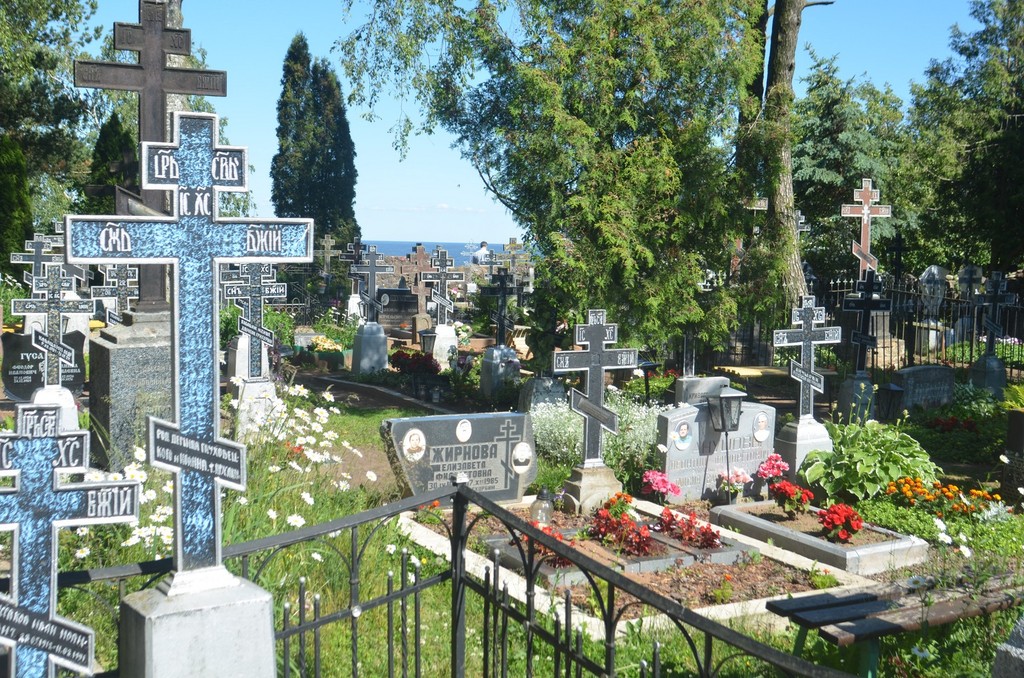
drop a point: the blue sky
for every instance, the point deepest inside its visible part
(434, 195)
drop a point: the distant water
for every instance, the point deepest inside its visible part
(461, 252)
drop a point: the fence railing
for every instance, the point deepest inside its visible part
(436, 617)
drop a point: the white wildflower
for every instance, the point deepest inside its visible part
(391, 548)
(82, 531)
(317, 557)
(243, 500)
(945, 538)
(308, 498)
(272, 514)
(273, 468)
(295, 520)
(371, 476)
(139, 454)
(1003, 458)
(82, 552)
(168, 487)
(965, 550)
(237, 380)
(95, 476)
(941, 526)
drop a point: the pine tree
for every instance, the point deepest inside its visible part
(113, 164)
(15, 206)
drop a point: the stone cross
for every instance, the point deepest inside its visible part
(595, 359)
(153, 79)
(440, 279)
(374, 265)
(40, 253)
(119, 279)
(194, 241)
(865, 305)
(327, 253)
(994, 298)
(807, 337)
(415, 265)
(50, 287)
(353, 255)
(248, 286)
(502, 286)
(801, 224)
(866, 211)
(38, 457)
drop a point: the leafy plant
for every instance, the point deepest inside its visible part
(791, 498)
(414, 362)
(822, 579)
(864, 460)
(281, 324)
(686, 530)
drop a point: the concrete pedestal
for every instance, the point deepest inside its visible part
(589, 488)
(222, 631)
(1010, 655)
(989, 373)
(65, 399)
(797, 439)
(130, 377)
(255, 402)
(497, 369)
(856, 399)
(238, 361)
(445, 341)
(369, 349)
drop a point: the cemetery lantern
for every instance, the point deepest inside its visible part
(890, 400)
(427, 340)
(542, 508)
(725, 409)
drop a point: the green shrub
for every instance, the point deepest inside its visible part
(971, 429)
(281, 324)
(865, 458)
(343, 334)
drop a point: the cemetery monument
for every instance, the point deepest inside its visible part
(989, 372)
(500, 363)
(444, 308)
(370, 346)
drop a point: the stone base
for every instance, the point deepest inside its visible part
(588, 488)
(238, 361)
(797, 439)
(224, 631)
(989, 373)
(445, 341)
(63, 398)
(255, 402)
(495, 369)
(369, 349)
(1010, 655)
(541, 391)
(856, 400)
(130, 377)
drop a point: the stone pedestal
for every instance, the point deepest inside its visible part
(181, 632)
(130, 377)
(797, 439)
(541, 390)
(369, 349)
(445, 341)
(255, 402)
(352, 308)
(1010, 655)
(497, 369)
(238, 361)
(589, 488)
(989, 373)
(856, 399)
(63, 398)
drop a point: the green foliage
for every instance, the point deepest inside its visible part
(883, 512)
(865, 458)
(15, 206)
(281, 324)
(971, 429)
(343, 334)
(1010, 352)
(115, 147)
(229, 315)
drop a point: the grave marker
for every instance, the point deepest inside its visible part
(865, 305)
(993, 300)
(926, 386)
(40, 254)
(439, 280)
(867, 210)
(248, 286)
(502, 287)
(807, 337)
(118, 279)
(371, 265)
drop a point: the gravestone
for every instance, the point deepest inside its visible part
(695, 453)
(1009, 662)
(119, 288)
(693, 390)
(989, 372)
(398, 305)
(500, 364)
(969, 280)
(370, 346)
(929, 331)
(541, 391)
(353, 255)
(495, 452)
(925, 386)
(856, 393)
(247, 286)
(444, 308)
(24, 366)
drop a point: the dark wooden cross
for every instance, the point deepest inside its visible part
(194, 240)
(865, 211)
(119, 279)
(807, 337)
(38, 458)
(594, 360)
(865, 305)
(502, 287)
(153, 79)
(368, 270)
(50, 287)
(439, 280)
(994, 298)
(248, 286)
(40, 253)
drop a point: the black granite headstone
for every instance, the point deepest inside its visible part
(24, 365)
(397, 307)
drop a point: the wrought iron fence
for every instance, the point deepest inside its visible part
(453, 616)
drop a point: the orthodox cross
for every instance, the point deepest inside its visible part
(897, 249)
(119, 279)
(807, 337)
(353, 255)
(40, 253)
(327, 253)
(866, 211)
(39, 458)
(50, 287)
(596, 335)
(194, 241)
(865, 305)
(372, 265)
(502, 286)
(248, 286)
(994, 298)
(970, 276)
(801, 224)
(440, 279)
(153, 79)
(415, 265)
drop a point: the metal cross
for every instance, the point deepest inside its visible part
(367, 272)
(327, 253)
(807, 337)
(194, 241)
(440, 279)
(39, 458)
(39, 254)
(353, 255)
(594, 360)
(50, 287)
(801, 224)
(865, 305)
(119, 279)
(994, 298)
(502, 286)
(248, 286)
(897, 250)
(866, 211)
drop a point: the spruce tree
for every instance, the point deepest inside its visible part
(15, 205)
(113, 164)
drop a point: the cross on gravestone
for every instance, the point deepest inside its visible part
(866, 211)
(412, 268)
(807, 337)
(326, 254)
(51, 286)
(119, 279)
(353, 255)
(248, 286)
(994, 298)
(596, 335)
(39, 457)
(368, 273)
(439, 280)
(897, 249)
(80, 273)
(40, 253)
(502, 287)
(153, 79)
(194, 241)
(865, 305)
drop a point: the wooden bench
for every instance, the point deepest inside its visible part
(745, 373)
(867, 615)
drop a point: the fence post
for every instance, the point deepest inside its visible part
(458, 640)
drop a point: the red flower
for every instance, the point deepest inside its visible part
(840, 522)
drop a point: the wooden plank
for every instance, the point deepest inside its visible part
(790, 606)
(841, 613)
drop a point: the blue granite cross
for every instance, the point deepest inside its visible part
(39, 457)
(195, 241)
(440, 279)
(118, 279)
(807, 337)
(992, 300)
(248, 287)
(594, 360)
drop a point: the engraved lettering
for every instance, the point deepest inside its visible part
(164, 165)
(225, 167)
(115, 238)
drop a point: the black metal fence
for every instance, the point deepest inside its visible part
(438, 618)
(920, 329)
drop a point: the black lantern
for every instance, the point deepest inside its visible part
(889, 401)
(725, 409)
(427, 339)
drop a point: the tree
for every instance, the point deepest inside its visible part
(114, 163)
(314, 172)
(15, 207)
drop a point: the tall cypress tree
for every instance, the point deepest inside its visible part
(15, 205)
(112, 165)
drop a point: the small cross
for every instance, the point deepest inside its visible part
(807, 337)
(327, 253)
(353, 255)
(897, 250)
(119, 279)
(248, 286)
(866, 211)
(439, 287)
(39, 254)
(801, 224)
(865, 305)
(993, 300)
(595, 359)
(368, 271)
